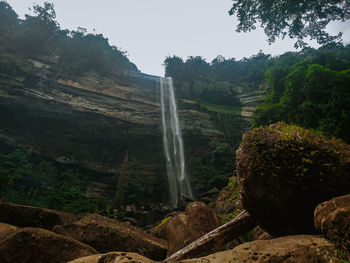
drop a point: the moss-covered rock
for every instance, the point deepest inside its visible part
(332, 219)
(227, 204)
(285, 171)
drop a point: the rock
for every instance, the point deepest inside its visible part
(29, 216)
(285, 171)
(227, 204)
(39, 245)
(289, 249)
(332, 219)
(182, 229)
(120, 257)
(260, 234)
(106, 235)
(6, 230)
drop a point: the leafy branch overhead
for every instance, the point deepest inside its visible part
(297, 19)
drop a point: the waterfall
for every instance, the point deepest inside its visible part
(179, 184)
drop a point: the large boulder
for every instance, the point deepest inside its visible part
(289, 249)
(197, 220)
(29, 216)
(41, 246)
(106, 235)
(113, 257)
(285, 171)
(332, 219)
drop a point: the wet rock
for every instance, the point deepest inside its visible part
(106, 235)
(39, 246)
(29, 216)
(113, 257)
(289, 249)
(285, 171)
(332, 219)
(182, 229)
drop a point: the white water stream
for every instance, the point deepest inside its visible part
(179, 184)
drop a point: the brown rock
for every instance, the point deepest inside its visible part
(38, 245)
(284, 172)
(197, 220)
(29, 216)
(288, 249)
(6, 230)
(106, 235)
(332, 219)
(120, 257)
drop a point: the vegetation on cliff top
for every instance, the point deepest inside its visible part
(40, 35)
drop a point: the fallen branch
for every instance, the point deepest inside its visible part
(241, 224)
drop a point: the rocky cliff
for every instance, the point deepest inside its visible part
(93, 122)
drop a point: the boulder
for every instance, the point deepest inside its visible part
(289, 249)
(120, 257)
(39, 245)
(227, 204)
(184, 228)
(285, 171)
(29, 216)
(106, 235)
(332, 219)
(6, 230)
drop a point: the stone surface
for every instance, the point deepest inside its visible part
(289, 249)
(106, 235)
(92, 121)
(41, 246)
(284, 172)
(332, 219)
(197, 220)
(6, 230)
(113, 257)
(29, 216)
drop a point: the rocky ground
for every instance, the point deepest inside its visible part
(267, 193)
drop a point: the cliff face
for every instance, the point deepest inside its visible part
(93, 122)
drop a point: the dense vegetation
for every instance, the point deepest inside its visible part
(311, 89)
(40, 35)
(27, 178)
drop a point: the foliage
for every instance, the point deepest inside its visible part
(26, 178)
(296, 19)
(313, 92)
(40, 35)
(131, 191)
(214, 168)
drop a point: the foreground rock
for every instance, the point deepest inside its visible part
(28, 216)
(197, 220)
(39, 245)
(6, 230)
(289, 249)
(106, 235)
(113, 257)
(332, 219)
(284, 172)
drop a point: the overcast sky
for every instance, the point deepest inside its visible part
(150, 30)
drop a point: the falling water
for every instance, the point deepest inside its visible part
(179, 184)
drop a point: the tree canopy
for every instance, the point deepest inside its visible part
(297, 19)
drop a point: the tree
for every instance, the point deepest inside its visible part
(297, 19)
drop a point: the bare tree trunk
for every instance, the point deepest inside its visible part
(241, 224)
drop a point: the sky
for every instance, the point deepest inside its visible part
(152, 30)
